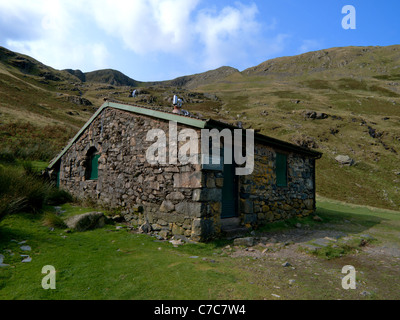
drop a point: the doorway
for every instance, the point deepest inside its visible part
(229, 205)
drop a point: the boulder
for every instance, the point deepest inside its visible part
(305, 141)
(315, 115)
(86, 221)
(78, 100)
(344, 160)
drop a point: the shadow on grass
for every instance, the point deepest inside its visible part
(337, 221)
(356, 222)
(18, 227)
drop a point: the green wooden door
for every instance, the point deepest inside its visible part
(229, 192)
(281, 170)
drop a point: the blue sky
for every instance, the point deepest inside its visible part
(163, 39)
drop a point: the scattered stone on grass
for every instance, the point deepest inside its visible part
(9, 252)
(1, 262)
(322, 242)
(273, 240)
(26, 248)
(310, 247)
(367, 236)
(26, 258)
(247, 242)
(317, 218)
(86, 221)
(176, 243)
(344, 160)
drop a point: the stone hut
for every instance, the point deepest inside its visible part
(106, 162)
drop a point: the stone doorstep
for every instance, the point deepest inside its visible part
(231, 229)
(234, 233)
(229, 223)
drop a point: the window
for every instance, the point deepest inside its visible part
(281, 170)
(92, 170)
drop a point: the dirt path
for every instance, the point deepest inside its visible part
(279, 263)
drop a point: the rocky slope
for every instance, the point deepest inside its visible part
(196, 80)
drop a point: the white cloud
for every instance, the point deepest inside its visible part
(227, 32)
(57, 39)
(178, 27)
(147, 26)
(90, 35)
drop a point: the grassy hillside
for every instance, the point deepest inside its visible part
(196, 80)
(112, 77)
(355, 89)
(36, 115)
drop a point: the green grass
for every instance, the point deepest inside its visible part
(108, 264)
(380, 223)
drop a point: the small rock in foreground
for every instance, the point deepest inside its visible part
(247, 242)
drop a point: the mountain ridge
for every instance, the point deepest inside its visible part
(198, 79)
(336, 58)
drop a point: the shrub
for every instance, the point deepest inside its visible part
(7, 156)
(58, 196)
(28, 168)
(23, 190)
(8, 205)
(52, 220)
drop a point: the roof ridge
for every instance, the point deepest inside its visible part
(160, 109)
